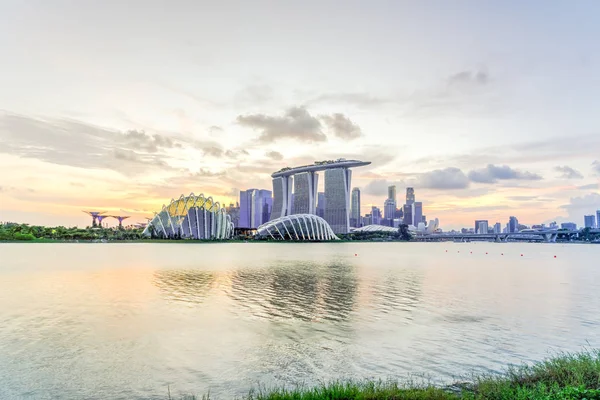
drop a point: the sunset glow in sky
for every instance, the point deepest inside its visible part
(487, 110)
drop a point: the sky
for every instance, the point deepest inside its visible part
(488, 109)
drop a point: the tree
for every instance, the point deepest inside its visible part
(403, 233)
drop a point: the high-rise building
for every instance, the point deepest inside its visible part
(482, 228)
(355, 220)
(337, 199)
(392, 193)
(321, 204)
(417, 213)
(234, 211)
(375, 215)
(410, 195)
(408, 214)
(399, 214)
(389, 209)
(598, 219)
(478, 224)
(497, 228)
(589, 221)
(513, 225)
(569, 226)
(305, 193)
(282, 190)
(255, 207)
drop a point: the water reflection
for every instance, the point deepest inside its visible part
(305, 291)
(397, 292)
(190, 286)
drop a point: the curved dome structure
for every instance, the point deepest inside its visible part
(302, 227)
(191, 217)
(376, 228)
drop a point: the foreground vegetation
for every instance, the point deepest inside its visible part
(564, 377)
(25, 232)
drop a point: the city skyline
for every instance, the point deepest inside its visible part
(482, 126)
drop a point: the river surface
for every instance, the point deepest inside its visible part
(133, 321)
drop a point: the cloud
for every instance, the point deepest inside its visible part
(592, 186)
(596, 165)
(296, 123)
(377, 187)
(342, 126)
(493, 173)
(568, 172)
(274, 155)
(583, 205)
(78, 144)
(363, 100)
(448, 178)
(469, 78)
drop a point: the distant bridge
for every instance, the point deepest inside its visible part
(545, 236)
(548, 236)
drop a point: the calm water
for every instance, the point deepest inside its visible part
(125, 321)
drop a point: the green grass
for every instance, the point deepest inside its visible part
(567, 376)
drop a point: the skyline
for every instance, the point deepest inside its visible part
(483, 121)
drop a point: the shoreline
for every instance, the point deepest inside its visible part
(566, 376)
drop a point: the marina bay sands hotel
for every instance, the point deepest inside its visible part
(304, 183)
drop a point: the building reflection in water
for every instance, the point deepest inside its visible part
(305, 291)
(190, 286)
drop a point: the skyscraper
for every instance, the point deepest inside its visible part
(282, 189)
(355, 220)
(497, 228)
(417, 213)
(478, 224)
(513, 225)
(410, 195)
(589, 221)
(392, 193)
(408, 214)
(255, 207)
(321, 204)
(482, 228)
(389, 210)
(598, 219)
(375, 215)
(305, 193)
(337, 199)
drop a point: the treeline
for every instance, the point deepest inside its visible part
(25, 232)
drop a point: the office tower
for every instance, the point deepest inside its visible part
(305, 193)
(355, 220)
(410, 195)
(337, 199)
(399, 214)
(497, 228)
(262, 207)
(482, 228)
(255, 207)
(424, 219)
(513, 225)
(392, 193)
(389, 209)
(478, 224)
(598, 219)
(417, 213)
(569, 226)
(375, 215)
(282, 191)
(408, 214)
(321, 204)
(589, 221)
(234, 211)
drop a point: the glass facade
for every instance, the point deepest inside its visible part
(298, 227)
(355, 220)
(305, 188)
(337, 197)
(282, 192)
(191, 217)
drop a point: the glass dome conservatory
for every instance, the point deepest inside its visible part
(304, 227)
(191, 217)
